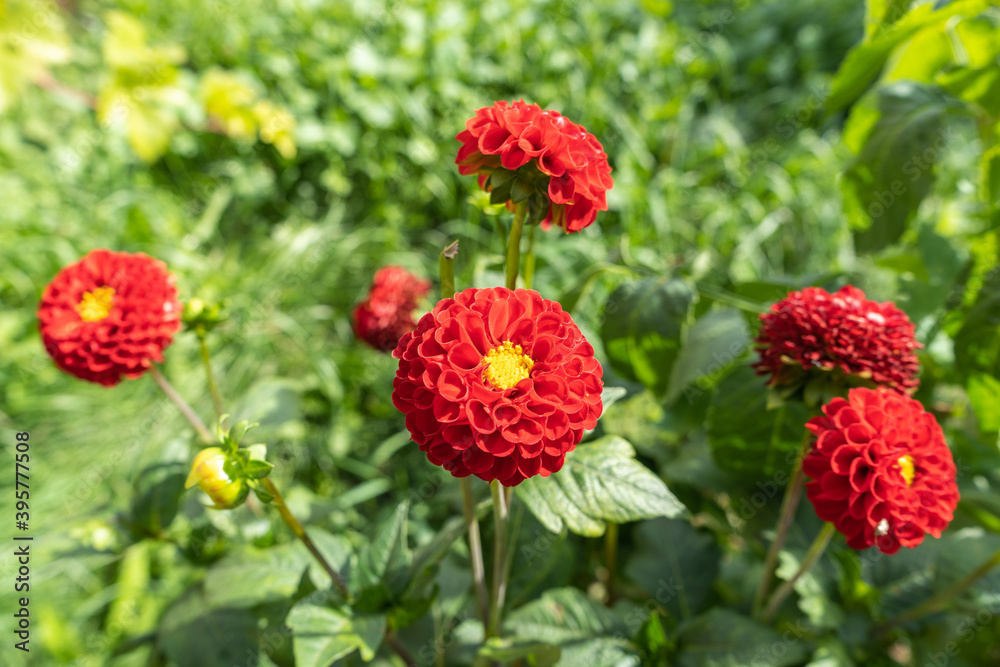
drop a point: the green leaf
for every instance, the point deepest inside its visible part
(880, 14)
(746, 437)
(984, 393)
(675, 564)
(896, 134)
(723, 638)
(977, 343)
(587, 632)
(321, 636)
(643, 326)
(382, 565)
(653, 641)
(337, 551)
(195, 634)
(715, 342)
(252, 576)
(600, 481)
(255, 469)
(989, 178)
(157, 496)
(864, 62)
(506, 651)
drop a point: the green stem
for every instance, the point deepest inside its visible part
(475, 549)
(789, 504)
(940, 600)
(206, 361)
(514, 245)
(498, 591)
(815, 551)
(446, 264)
(189, 414)
(529, 259)
(300, 532)
(611, 558)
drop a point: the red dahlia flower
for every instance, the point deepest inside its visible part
(552, 155)
(880, 470)
(814, 330)
(387, 313)
(497, 383)
(109, 315)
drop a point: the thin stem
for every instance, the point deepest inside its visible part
(393, 641)
(189, 414)
(206, 360)
(514, 245)
(475, 549)
(499, 588)
(815, 551)
(790, 503)
(300, 532)
(939, 600)
(611, 558)
(529, 259)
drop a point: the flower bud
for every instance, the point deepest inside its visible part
(208, 472)
(203, 316)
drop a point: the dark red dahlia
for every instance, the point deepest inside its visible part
(109, 316)
(497, 383)
(559, 158)
(881, 471)
(815, 331)
(387, 313)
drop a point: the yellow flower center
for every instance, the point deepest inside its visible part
(95, 306)
(906, 468)
(507, 365)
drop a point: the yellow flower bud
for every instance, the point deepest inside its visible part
(207, 471)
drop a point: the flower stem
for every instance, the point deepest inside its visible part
(300, 532)
(815, 551)
(475, 549)
(514, 245)
(529, 259)
(189, 414)
(206, 361)
(446, 263)
(610, 559)
(499, 589)
(939, 600)
(790, 503)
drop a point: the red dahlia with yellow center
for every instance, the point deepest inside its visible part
(812, 332)
(523, 153)
(109, 316)
(387, 313)
(497, 383)
(881, 471)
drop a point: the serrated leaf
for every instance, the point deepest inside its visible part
(675, 564)
(587, 632)
(600, 481)
(644, 324)
(321, 636)
(506, 651)
(252, 576)
(746, 437)
(715, 342)
(723, 638)
(893, 171)
(382, 565)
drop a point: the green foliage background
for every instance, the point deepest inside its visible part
(737, 175)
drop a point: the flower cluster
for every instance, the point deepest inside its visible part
(881, 471)
(387, 313)
(109, 316)
(556, 156)
(497, 383)
(813, 331)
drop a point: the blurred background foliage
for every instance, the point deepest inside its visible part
(275, 154)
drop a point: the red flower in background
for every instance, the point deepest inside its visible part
(382, 318)
(880, 470)
(109, 316)
(522, 136)
(816, 330)
(497, 383)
